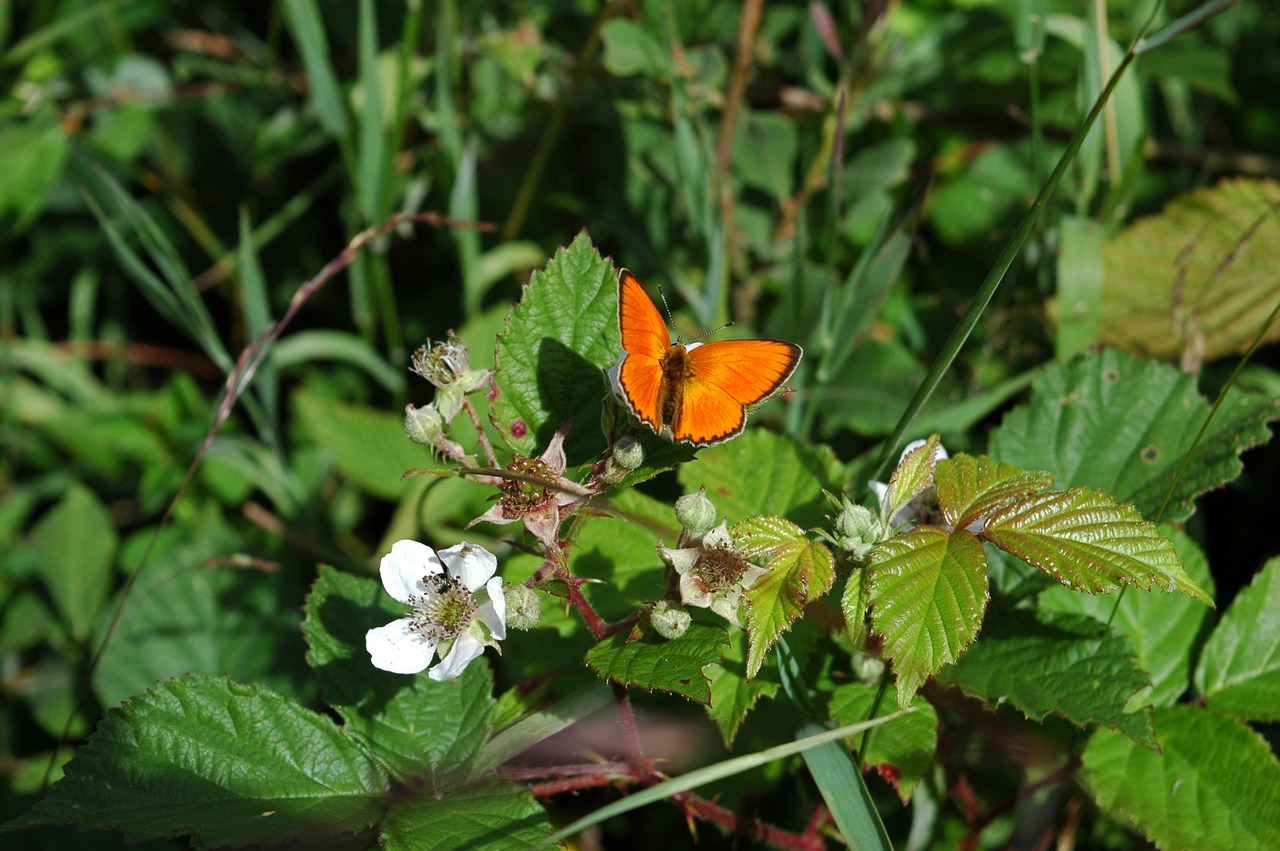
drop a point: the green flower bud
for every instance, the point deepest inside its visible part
(858, 529)
(524, 607)
(423, 425)
(669, 620)
(696, 513)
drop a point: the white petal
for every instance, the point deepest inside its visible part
(464, 649)
(693, 592)
(402, 569)
(719, 536)
(493, 614)
(398, 649)
(470, 564)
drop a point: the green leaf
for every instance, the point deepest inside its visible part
(677, 665)
(303, 19)
(369, 446)
(1199, 276)
(553, 353)
(854, 602)
(732, 694)
(1085, 541)
(185, 615)
(630, 49)
(427, 733)
(912, 476)
(1163, 629)
(764, 153)
(761, 472)
(928, 594)
(229, 764)
(800, 571)
(1079, 424)
(73, 545)
(1052, 662)
(1239, 670)
(971, 488)
(1216, 783)
(31, 154)
(493, 814)
(901, 752)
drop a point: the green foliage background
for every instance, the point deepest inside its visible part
(173, 173)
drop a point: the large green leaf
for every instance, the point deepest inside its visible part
(492, 814)
(1215, 784)
(799, 572)
(1050, 662)
(1199, 276)
(761, 472)
(1239, 671)
(1085, 541)
(1082, 424)
(427, 733)
(928, 594)
(73, 545)
(552, 355)
(229, 764)
(369, 446)
(1163, 629)
(732, 694)
(676, 665)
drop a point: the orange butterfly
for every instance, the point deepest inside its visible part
(694, 393)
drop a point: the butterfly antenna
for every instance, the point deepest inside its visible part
(672, 322)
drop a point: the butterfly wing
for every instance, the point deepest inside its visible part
(645, 343)
(723, 379)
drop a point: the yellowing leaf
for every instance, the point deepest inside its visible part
(1199, 278)
(800, 571)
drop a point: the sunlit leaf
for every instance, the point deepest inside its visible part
(1239, 670)
(1082, 539)
(970, 488)
(928, 594)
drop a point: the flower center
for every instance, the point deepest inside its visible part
(445, 611)
(520, 496)
(720, 569)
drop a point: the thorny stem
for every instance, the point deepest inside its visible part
(484, 438)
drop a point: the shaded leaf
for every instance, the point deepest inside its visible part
(73, 545)
(1085, 541)
(732, 694)
(1239, 670)
(900, 752)
(369, 446)
(1051, 662)
(229, 764)
(928, 594)
(1216, 783)
(492, 814)
(1079, 424)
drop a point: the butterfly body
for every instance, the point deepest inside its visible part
(696, 393)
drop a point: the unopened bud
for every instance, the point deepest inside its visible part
(423, 425)
(524, 607)
(858, 529)
(669, 620)
(696, 513)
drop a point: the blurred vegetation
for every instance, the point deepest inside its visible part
(840, 174)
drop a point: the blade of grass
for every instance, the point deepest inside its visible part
(343, 346)
(255, 303)
(712, 773)
(302, 17)
(845, 792)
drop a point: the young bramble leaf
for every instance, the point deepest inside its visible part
(1085, 541)
(800, 571)
(1239, 670)
(970, 488)
(1053, 662)
(1079, 424)
(552, 355)
(854, 602)
(1215, 784)
(912, 476)
(677, 665)
(929, 590)
(230, 764)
